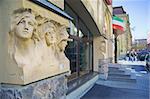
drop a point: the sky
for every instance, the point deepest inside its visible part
(139, 16)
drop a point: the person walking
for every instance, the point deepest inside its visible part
(127, 55)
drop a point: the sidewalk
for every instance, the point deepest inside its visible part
(118, 89)
(123, 62)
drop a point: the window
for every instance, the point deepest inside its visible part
(80, 50)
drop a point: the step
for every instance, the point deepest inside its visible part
(114, 65)
(121, 79)
(117, 84)
(114, 69)
(119, 75)
(115, 72)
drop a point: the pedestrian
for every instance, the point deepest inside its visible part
(127, 55)
(133, 55)
(130, 55)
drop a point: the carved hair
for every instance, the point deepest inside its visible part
(42, 29)
(21, 13)
(62, 36)
(63, 33)
(17, 16)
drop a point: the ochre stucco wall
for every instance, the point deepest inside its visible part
(99, 45)
(6, 8)
(59, 3)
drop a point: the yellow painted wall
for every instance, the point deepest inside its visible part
(58, 3)
(6, 8)
(99, 50)
(103, 48)
(96, 9)
(107, 31)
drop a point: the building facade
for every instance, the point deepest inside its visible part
(92, 27)
(88, 24)
(140, 44)
(124, 41)
(91, 31)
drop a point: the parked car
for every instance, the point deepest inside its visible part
(148, 61)
(142, 55)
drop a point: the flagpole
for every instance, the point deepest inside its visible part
(118, 25)
(115, 44)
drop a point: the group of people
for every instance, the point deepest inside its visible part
(131, 55)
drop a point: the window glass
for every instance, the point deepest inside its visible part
(80, 34)
(71, 53)
(73, 29)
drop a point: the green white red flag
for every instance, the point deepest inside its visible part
(118, 23)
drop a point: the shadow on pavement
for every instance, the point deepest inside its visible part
(105, 92)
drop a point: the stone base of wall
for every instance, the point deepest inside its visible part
(50, 88)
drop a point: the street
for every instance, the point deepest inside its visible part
(124, 82)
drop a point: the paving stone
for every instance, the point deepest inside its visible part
(121, 86)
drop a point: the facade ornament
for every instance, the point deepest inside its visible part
(23, 46)
(36, 45)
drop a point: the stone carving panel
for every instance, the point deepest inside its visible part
(35, 47)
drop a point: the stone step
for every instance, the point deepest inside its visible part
(116, 71)
(121, 79)
(114, 65)
(119, 75)
(117, 84)
(113, 68)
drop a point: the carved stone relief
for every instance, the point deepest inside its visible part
(23, 42)
(36, 44)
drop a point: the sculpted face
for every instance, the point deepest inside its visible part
(50, 36)
(25, 27)
(63, 45)
(64, 38)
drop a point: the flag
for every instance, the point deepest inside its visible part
(118, 23)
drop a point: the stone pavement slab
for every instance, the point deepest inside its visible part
(132, 62)
(108, 89)
(105, 92)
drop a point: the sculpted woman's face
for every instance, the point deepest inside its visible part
(24, 28)
(50, 36)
